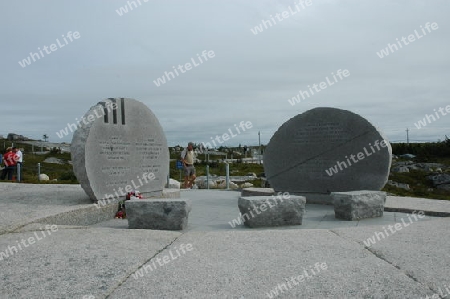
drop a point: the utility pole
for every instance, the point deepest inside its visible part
(407, 136)
(259, 141)
(259, 152)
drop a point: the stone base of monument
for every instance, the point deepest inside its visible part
(166, 193)
(356, 205)
(267, 211)
(257, 192)
(315, 198)
(158, 214)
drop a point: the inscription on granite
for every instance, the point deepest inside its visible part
(301, 153)
(118, 147)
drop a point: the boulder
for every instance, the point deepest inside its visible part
(173, 184)
(44, 177)
(404, 163)
(53, 160)
(439, 179)
(399, 185)
(413, 167)
(233, 186)
(201, 183)
(221, 184)
(430, 167)
(400, 169)
(246, 185)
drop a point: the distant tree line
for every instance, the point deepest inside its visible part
(424, 151)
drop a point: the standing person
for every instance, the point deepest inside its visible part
(19, 157)
(188, 157)
(5, 167)
(9, 159)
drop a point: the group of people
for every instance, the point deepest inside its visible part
(12, 157)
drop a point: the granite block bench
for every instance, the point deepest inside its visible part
(356, 205)
(268, 211)
(257, 192)
(158, 214)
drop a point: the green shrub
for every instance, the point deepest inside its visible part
(68, 176)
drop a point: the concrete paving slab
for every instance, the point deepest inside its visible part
(420, 250)
(72, 263)
(49, 194)
(22, 204)
(250, 264)
(431, 207)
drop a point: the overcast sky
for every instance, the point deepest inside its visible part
(251, 76)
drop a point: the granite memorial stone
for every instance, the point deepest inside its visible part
(327, 150)
(120, 146)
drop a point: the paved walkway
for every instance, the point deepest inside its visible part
(323, 258)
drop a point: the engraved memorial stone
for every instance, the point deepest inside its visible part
(119, 147)
(327, 150)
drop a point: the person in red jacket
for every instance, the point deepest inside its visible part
(10, 161)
